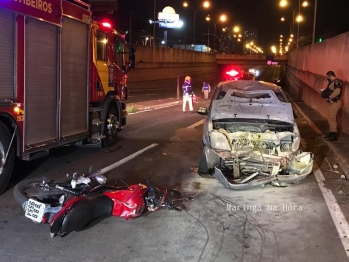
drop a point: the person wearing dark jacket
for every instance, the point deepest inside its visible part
(187, 93)
(206, 88)
(332, 94)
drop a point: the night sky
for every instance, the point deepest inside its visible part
(264, 15)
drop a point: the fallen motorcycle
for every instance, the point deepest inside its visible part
(71, 206)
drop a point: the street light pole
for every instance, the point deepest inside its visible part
(293, 21)
(154, 23)
(314, 24)
(284, 3)
(205, 4)
(214, 39)
(299, 13)
(194, 25)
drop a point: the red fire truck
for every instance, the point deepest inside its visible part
(62, 79)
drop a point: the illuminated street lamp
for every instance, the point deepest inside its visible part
(284, 3)
(236, 29)
(273, 49)
(282, 19)
(248, 47)
(205, 4)
(222, 18)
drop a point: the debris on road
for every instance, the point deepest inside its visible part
(194, 169)
(334, 171)
(328, 162)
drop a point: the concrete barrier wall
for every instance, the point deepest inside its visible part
(159, 67)
(306, 71)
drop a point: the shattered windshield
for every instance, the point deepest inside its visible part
(279, 95)
(222, 91)
(249, 95)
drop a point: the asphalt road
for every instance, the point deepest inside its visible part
(265, 224)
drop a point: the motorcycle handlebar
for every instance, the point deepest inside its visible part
(66, 190)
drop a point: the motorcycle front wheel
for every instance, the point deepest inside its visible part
(33, 188)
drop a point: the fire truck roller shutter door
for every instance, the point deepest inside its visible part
(74, 96)
(41, 80)
(7, 29)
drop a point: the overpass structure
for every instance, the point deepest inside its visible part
(250, 59)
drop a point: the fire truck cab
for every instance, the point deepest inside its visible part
(62, 79)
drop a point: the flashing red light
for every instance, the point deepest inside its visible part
(106, 24)
(232, 72)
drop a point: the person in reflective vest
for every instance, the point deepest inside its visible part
(206, 88)
(332, 94)
(187, 93)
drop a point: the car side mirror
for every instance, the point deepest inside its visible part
(203, 111)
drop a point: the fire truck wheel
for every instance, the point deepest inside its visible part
(111, 126)
(5, 168)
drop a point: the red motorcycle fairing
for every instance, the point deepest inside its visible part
(82, 212)
(128, 203)
(56, 222)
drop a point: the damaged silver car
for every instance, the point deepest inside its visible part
(251, 138)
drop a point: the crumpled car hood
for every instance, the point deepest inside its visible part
(259, 104)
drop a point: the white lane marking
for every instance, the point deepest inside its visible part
(126, 159)
(147, 109)
(196, 124)
(341, 160)
(339, 220)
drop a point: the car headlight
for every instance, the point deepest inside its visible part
(296, 138)
(219, 141)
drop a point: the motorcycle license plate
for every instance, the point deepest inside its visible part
(35, 210)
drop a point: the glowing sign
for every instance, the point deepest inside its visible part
(271, 63)
(48, 10)
(168, 14)
(169, 19)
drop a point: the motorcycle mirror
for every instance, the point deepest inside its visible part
(75, 176)
(174, 192)
(90, 170)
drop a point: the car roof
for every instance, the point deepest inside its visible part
(248, 85)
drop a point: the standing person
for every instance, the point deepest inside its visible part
(187, 93)
(333, 94)
(206, 88)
